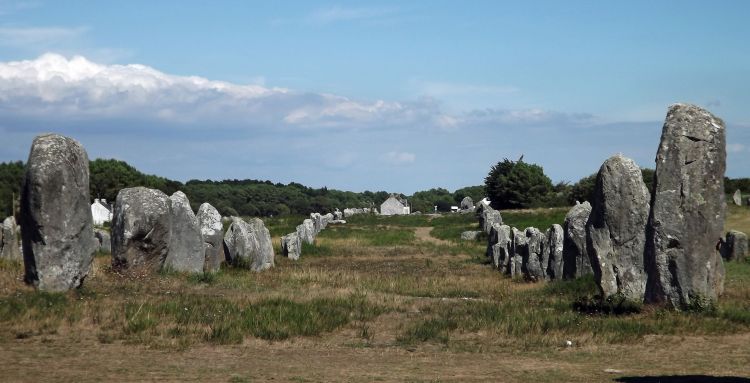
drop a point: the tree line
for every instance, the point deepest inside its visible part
(509, 184)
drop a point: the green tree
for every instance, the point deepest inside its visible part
(11, 177)
(516, 184)
(475, 192)
(583, 190)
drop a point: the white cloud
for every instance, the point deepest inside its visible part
(399, 158)
(54, 87)
(8, 7)
(340, 14)
(21, 37)
(735, 148)
(442, 89)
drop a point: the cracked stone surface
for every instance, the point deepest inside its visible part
(575, 258)
(683, 260)
(616, 229)
(56, 223)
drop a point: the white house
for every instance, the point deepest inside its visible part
(101, 212)
(395, 205)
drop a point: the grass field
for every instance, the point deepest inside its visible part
(377, 299)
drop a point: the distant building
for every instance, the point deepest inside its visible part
(395, 205)
(454, 209)
(101, 211)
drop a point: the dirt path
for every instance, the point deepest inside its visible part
(315, 360)
(423, 234)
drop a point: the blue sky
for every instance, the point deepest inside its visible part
(397, 96)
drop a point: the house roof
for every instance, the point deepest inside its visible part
(103, 204)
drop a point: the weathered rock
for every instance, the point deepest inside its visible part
(9, 246)
(575, 258)
(249, 244)
(616, 229)
(490, 217)
(338, 215)
(492, 240)
(306, 232)
(683, 263)
(737, 197)
(552, 251)
(318, 223)
(518, 248)
(327, 219)
(104, 240)
(212, 232)
(467, 204)
(291, 246)
(470, 235)
(355, 211)
(186, 251)
(499, 249)
(56, 221)
(532, 263)
(735, 246)
(141, 229)
(337, 222)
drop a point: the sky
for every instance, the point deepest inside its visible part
(379, 95)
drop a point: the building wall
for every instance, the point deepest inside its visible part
(100, 214)
(392, 206)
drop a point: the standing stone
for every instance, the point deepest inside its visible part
(318, 224)
(249, 244)
(500, 252)
(338, 215)
(56, 221)
(467, 203)
(492, 239)
(470, 235)
(291, 246)
(212, 232)
(737, 197)
(186, 251)
(306, 232)
(553, 252)
(520, 242)
(327, 219)
(616, 229)
(141, 229)
(532, 265)
(687, 214)
(104, 240)
(735, 246)
(9, 247)
(490, 217)
(575, 259)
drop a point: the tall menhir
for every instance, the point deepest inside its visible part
(683, 262)
(56, 223)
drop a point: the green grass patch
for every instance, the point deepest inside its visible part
(280, 226)
(541, 219)
(390, 220)
(206, 277)
(217, 320)
(33, 305)
(316, 250)
(373, 236)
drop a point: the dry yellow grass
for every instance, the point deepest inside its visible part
(419, 310)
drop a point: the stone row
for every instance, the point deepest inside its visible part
(150, 231)
(663, 249)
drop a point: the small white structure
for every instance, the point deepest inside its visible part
(454, 209)
(395, 205)
(101, 212)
